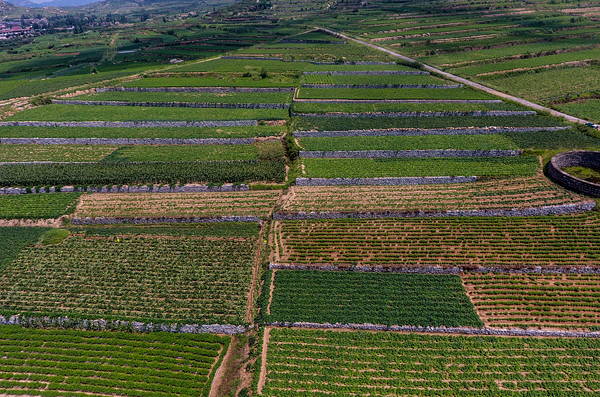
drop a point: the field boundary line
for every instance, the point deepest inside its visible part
(462, 80)
(423, 132)
(187, 188)
(157, 220)
(217, 378)
(344, 267)
(255, 279)
(263, 365)
(127, 141)
(438, 330)
(479, 101)
(509, 212)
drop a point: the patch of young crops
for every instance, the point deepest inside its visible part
(387, 79)
(244, 97)
(370, 123)
(150, 279)
(333, 107)
(589, 109)
(567, 240)
(60, 153)
(183, 153)
(459, 142)
(224, 80)
(125, 113)
(243, 230)
(37, 206)
(536, 191)
(402, 167)
(386, 363)
(175, 132)
(374, 298)
(141, 173)
(72, 363)
(558, 300)
(391, 93)
(14, 239)
(318, 79)
(254, 203)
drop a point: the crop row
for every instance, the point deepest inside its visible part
(127, 173)
(37, 206)
(70, 363)
(373, 298)
(567, 240)
(149, 279)
(312, 363)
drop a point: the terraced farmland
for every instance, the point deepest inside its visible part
(259, 203)
(310, 363)
(560, 300)
(74, 363)
(62, 153)
(526, 242)
(37, 206)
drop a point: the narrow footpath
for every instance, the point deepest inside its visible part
(462, 80)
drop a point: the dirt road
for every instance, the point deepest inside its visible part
(464, 81)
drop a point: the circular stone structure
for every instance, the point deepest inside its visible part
(575, 159)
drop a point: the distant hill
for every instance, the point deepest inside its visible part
(6, 8)
(52, 3)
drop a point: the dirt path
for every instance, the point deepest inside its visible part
(464, 81)
(271, 289)
(263, 367)
(214, 387)
(254, 275)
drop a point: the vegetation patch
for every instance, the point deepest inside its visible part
(37, 206)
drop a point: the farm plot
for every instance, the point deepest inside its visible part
(256, 203)
(14, 239)
(218, 80)
(332, 107)
(37, 206)
(246, 97)
(118, 113)
(510, 193)
(520, 166)
(151, 279)
(151, 132)
(73, 363)
(519, 242)
(60, 153)
(371, 123)
(427, 142)
(376, 80)
(127, 173)
(588, 109)
(560, 300)
(314, 362)
(391, 93)
(373, 298)
(183, 153)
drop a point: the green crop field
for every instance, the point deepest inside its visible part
(151, 279)
(183, 153)
(374, 298)
(588, 108)
(416, 167)
(59, 153)
(71, 363)
(37, 206)
(126, 113)
(552, 241)
(304, 107)
(224, 80)
(139, 173)
(246, 97)
(156, 132)
(14, 239)
(364, 363)
(391, 93)
(373, 79)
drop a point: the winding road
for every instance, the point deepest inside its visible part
(462, 80)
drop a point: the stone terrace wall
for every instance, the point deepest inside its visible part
(127, 141)
(414, 132)
(426, 180)
(215, 90)
(370, 73)
(147, 221)
(478, 113)
(313, 62)
(128, 189)
(536, 211)
(373, 154)
(378, 86)
(198, 105)
(297, 41)
(575, 159)
(104, 325)
(397, 100)
(131, 124)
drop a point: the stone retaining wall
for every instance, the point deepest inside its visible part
(370, 73)
(439, 269)
(426, 180)
(478, 113)
(575, 159)
(129, 189)
(313, 62)
(147, 221)
(216, 90)
(419, 132)
(292, 41)
(198, 105)
(104, 325)
(534, 211)
(127, 141)
(131, 124)
(393, 154)
(378, 86)
(446, 330)
(481, 101)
